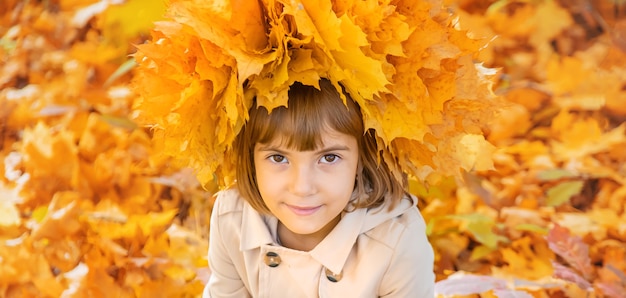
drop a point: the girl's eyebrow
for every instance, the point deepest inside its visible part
(268, 148)
(264, 148)
(334, 148)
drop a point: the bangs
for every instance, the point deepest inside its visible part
(310, 113)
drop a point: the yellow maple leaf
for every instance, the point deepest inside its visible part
(123, 23)
(528, 258)
(50, 158)
(62, 218)
(25, 271)
(549, 20)
(575, 137)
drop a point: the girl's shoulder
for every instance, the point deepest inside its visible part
(228, 201)
(399, 223)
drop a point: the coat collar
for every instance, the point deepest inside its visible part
(333, 251)
(255, 231)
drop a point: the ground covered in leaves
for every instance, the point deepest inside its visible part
(88, 206)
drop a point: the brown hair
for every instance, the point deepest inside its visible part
(310, 112)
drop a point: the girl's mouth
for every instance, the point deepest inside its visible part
(303, 211)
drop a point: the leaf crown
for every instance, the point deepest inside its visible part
(411, 72)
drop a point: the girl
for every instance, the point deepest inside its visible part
(316, 212)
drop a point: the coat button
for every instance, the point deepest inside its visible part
(272, 259)
(332, 276)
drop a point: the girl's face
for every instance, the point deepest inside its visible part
(307, 190)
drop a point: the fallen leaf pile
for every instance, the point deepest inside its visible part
(87, 208)
(549, 221)
(91, 207)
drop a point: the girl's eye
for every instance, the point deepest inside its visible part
(277, 158)
(329, 158)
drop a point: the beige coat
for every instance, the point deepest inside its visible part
(368, 254)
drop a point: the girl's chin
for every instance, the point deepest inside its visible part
(308, 224)
(302, 229)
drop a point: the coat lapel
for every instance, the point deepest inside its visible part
(334, 250)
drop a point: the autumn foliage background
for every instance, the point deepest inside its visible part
(88, 206)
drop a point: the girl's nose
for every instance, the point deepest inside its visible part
(302, 181)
